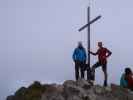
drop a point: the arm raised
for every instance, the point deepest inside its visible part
(92, 53)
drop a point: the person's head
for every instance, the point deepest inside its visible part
(80, 44)
(128, 71)
(100, 44)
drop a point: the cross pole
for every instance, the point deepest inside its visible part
(88, 37)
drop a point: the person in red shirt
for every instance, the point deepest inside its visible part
(102, 53)
(129, 78)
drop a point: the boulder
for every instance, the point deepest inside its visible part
(84, 84)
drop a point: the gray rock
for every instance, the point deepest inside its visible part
(92, 97)
(99, 90)
(54, 92)
(52, 96)
(70, 83)
(72, 90)
(74, 97)
(83, 83)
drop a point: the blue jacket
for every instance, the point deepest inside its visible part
(123, 82)
(79, 54)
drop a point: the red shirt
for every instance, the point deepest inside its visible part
(102, 55)
(130, 81)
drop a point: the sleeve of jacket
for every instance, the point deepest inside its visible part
(123, 82)
(74, 55)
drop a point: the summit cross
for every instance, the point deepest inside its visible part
(88, 37)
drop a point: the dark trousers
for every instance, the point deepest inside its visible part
(79, 66)
(104, 68)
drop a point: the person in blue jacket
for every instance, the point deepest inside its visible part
(79, 58)
(123, 81)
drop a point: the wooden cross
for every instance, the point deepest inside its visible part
(88, 37)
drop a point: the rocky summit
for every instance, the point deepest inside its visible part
(71, 90)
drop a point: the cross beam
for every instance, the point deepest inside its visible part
(91, 22)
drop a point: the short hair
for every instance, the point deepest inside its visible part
(128, 71)
(100, 43)
(80, 43)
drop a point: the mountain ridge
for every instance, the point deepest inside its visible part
(71, 90)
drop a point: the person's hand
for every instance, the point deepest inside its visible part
(89, 51)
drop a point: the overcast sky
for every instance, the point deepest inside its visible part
(37, 39)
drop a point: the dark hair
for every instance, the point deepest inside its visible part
(128, 71)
